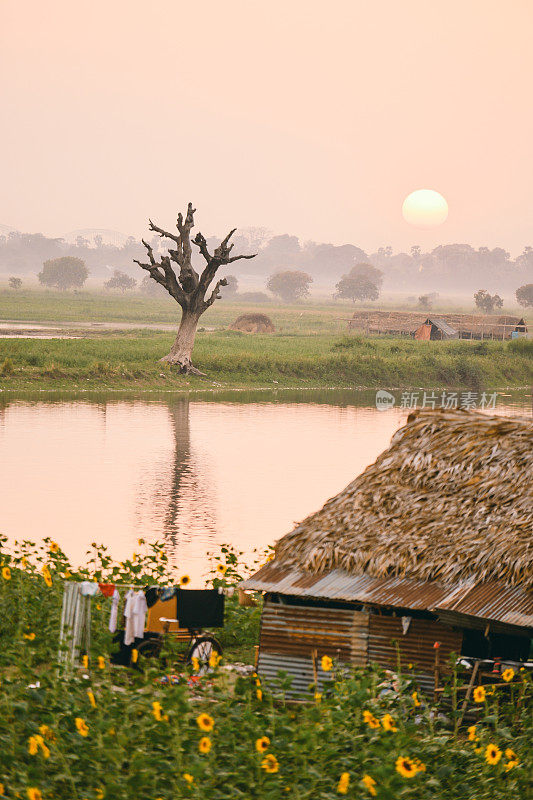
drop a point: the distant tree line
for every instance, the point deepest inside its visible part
(446, 267)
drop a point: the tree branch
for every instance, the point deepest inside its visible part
(221, 256)
(215, 293)
(162, 233)
(201, 243)
(168, 280)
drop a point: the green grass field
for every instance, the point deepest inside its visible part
(310, 349)
(238, 360)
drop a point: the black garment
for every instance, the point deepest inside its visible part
(200, 608)
(152, 594)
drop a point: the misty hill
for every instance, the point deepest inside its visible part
(447, 267)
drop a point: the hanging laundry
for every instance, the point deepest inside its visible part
(169, 593)
(152, 594)
(114, 611)
(88, 588)
(135, 615)
(107, 589)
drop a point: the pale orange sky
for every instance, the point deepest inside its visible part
(305, 117)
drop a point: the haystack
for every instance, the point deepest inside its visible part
(450, 499)
(253, 323)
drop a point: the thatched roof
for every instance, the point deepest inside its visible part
(451, 499)
(253, 323)
(407, 322)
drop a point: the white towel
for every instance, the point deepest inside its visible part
(114, 611)
(135, 614)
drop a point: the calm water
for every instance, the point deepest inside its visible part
(239, 468)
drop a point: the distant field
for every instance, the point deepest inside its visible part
(240, 360)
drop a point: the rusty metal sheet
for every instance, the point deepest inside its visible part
(340, 585)
(489, 602)
(455, 604)
(298, 630)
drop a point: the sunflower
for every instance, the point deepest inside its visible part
(508, 675)
(34, 794)
(318, 697)
(101, 662)
(479, 694)
(388, 723)
(92, 699)
(510, 754)
(492, 754)
(369, 783)
(195, 664)
(270, 763)
(204, 745)
(33, 746)
(29, 636)
(406, 767)
(205, 722)
(344, 782)
(6, 573)
(47, 576)
(326, 663)
(47, 732)
(222, 568)
(472, 734)
(54, 547)
(134, 656)
(259, 694)
(85, 661)
(81, 726)
(416, 701)
(156, 710)
(371, 720)
(187, 777)
(262, 744)
(184, 580)
(511, 765)
(214, 659)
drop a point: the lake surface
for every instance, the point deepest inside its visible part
(240, 468)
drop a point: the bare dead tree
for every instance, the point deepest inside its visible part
(187, 287)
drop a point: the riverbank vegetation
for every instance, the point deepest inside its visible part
(235, 360)
(99, 731)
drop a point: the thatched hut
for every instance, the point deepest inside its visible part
(431, 543)
(466, 326)
(253, 323)
(434, 328)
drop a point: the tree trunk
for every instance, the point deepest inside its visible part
(181, 350)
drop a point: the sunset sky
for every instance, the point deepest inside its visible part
(305, 117)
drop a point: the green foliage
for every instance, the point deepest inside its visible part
(290, 285)
(524, 295)
(522, 347)
(63, 273)
(7, 367)
(123, 734)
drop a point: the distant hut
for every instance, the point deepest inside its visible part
(431, 543)
(434, 328)
(253, 323)
(467, 326)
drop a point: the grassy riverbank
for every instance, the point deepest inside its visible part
(97, 731)
(233, 360)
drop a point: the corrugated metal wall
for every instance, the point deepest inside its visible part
(416, 646)
(289, 634)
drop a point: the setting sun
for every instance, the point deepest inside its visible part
(425, 208)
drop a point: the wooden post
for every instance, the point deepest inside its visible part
(437, 671)
(256, 656)
(314, 656)
(468, 693)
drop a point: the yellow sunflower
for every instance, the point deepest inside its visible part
(343, 784)
(81, 726)
(479, 694)
(416, 701)
(195, 663)
(270, 763)
(204, 745)
(472, 734)
(214, 659)
(47, 732)
(205, 722)
(6, 573)
(184, 580)
(406, 767)
(510, 754)
(259, 694)
(371, 720)
(33, 746)
(85, 661)
(29, 636)
(370, 784)
(222, 568)
(187, 777)
(157, 708)
(34, 794)
(92, 699)
(508, 675)
(388, 723)
(492, 754)
(134, 656)
(47, 576)
(262, 744)
(54, 547)
(326, 663)
(101, 662)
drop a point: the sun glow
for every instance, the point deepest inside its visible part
(425, 208)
